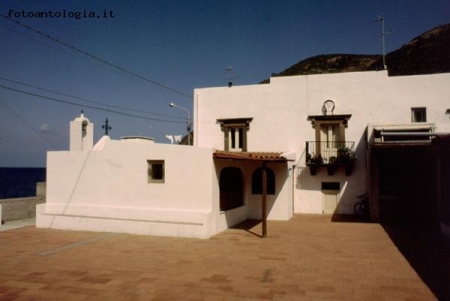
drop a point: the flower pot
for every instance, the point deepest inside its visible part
(349, 169)
(312, 169)
(331, 169)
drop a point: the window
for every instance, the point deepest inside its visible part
(236, 138)
(330, 136)
(235, 133)
(330, 140)
(84, 128)
(155, 171)
(257, 181)
(418, 114)
(331, 186)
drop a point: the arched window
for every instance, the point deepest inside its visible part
(231, 185)
(257, 181)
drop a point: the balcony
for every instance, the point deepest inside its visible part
(331, 155)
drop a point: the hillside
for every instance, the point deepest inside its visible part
(426, 54)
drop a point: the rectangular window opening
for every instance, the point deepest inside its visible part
(233, 138)
(331, 186)
(419, 114)
(155, 171)
(241, 135)
(236, 139)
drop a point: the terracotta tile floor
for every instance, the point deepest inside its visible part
(306, 258)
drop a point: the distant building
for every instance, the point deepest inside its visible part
(318, 140)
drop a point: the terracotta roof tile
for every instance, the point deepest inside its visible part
(260, 156)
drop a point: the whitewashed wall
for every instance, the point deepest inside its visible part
(280, 110)
(279, 205)
(107, 190)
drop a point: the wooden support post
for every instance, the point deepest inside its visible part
(264, 201)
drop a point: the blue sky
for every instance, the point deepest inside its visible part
(180, 45)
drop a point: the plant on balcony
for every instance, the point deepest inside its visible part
(313, 161)
(333, 160)
(332, 165)
(347, 158)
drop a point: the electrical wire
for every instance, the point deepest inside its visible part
(97, 58)
(87, 100)
(28, 125)
(87, 106)
(57, 49)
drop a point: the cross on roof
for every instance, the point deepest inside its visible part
(106, 127)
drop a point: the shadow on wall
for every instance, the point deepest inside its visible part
(254, 200)
(349, 186)
(252, 207)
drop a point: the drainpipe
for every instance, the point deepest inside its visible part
(293, 188)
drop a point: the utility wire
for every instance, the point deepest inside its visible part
(87, 100)
(86, 106)
(97, 58)
(57, 49)
(28, 125)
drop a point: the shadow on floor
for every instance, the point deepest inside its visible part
(426, 250)
(348, 218)
(248, 226)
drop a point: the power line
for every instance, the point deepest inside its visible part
(79, 58)
(87, 106)
(97, 58)
(87, 100)
(57, 49)
(28, 125)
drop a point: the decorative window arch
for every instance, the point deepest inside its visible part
(257, 181)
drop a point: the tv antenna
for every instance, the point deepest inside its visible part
(229, 69)
(383, 33)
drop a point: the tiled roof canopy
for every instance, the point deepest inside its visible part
(257, 156)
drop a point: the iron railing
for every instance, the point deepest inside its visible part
(329, 152)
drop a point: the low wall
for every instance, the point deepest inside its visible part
(20, 208)
(41, 188)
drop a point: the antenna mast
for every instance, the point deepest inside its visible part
(229, 69)
(383, 33)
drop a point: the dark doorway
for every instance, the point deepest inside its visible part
(405, 178)
(231, 188)
(407, 187)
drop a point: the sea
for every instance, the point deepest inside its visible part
(18, 182)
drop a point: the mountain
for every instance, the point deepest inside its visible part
(426, 54)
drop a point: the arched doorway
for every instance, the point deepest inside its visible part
(231, 188)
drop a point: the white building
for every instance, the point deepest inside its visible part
(278, 129)
(320, 114)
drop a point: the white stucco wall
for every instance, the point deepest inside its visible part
(111, 184)
(279, 205)
(81, 134)
(106, 188)
(280, 111)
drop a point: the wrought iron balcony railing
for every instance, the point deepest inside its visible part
(330, 152)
